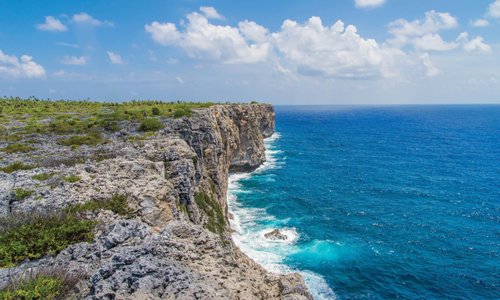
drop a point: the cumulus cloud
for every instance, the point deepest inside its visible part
(115, 58)
(52, 24)
(25, 67)
(87, 20)
(368, 3)
(433, 42)
(211, 13)
(202, 40)
(336, 51)
(74, 60)
(494, 9)
(480, 23)
(422, 31)
(476, 44)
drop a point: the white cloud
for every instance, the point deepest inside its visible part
(494, 9)
(433, 42)
(433, 22)
(25, 67)
(202, 40)
(211, 13)
(368, 3)
(480, 23)
(74, 60)
(405, 32)
(430, 69)
(336, 51)
(86, 19)
(477, 44)
(52, 24)
(115, 58)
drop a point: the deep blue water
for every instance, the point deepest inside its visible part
(379, 202)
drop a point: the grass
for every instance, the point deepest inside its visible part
(117, 204)
(90, 139)
(72, 178)
(150, 124)
(16, 166)
(49, 284)
(216, 221)
(34, 235)
(43, 176)
(14, 148)
(20, 194)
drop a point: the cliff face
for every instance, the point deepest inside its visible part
(177, 244)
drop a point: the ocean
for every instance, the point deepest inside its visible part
(378, 202)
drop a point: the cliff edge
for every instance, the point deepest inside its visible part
(173, 241)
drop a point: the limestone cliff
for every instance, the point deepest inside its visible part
(176, 244)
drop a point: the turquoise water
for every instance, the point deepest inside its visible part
(378, 202)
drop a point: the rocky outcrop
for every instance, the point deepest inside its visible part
(177, 244)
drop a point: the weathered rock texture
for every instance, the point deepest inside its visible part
(166, 250)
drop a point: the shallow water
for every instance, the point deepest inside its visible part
(378, 202)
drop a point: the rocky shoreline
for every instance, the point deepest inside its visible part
(174, 242)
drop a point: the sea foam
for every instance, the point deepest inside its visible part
(250, 224)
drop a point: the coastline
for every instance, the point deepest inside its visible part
(171, 237)
(248, 231)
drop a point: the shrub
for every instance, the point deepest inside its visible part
(155, 111)
(182, 112)
(216, 221)
(72, 178)
(42, 176)
(91, 139)
(13, 148)
(21, 194)
(16, 166)
(150, 124)
(52, 283)
(34, 235)
(117, 204)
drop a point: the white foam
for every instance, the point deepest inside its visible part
(248, 234)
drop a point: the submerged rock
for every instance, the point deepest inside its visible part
(276, 234)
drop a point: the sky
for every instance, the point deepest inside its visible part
(280, 52)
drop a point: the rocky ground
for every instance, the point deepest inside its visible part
(174, 242)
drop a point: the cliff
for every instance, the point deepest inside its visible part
(173, 242)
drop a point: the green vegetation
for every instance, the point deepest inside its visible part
(91, 139)
(21, 194)
(43, 176)
(155, 111)
(13, 148)
(182, 112)
(150, 124)
(117, 204)
(216, 222)
(16, 166)
(72, 178)
(47, 284)
(34, 235)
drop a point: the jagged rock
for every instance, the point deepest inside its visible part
(164, 251)
(276, 235)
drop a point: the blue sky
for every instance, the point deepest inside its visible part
(283, 52)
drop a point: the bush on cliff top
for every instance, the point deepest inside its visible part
(16, 166)
(34, 235)
(117, 204)
(14, 148)
(150, 124)
(51, 283)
